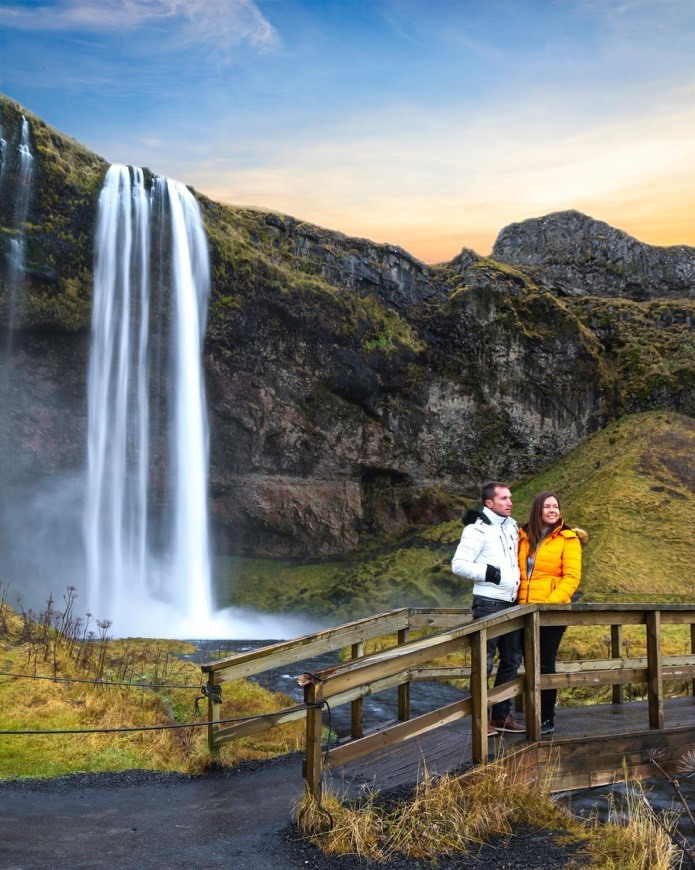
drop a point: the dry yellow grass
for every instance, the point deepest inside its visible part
(454, 815)
(39, 703)
(449, 814)
(632, 839)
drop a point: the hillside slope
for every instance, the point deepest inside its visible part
(632, 486)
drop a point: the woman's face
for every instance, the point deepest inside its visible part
(551, 511)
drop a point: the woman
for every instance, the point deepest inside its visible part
(550, 563)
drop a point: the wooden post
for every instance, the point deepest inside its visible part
(692, 648)
(617, 653)
(479, 695)
(655, 681)
(214, 696)
(357, 706)
(314, 724)
(404, 688)
(532, 668)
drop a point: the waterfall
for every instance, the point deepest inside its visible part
(3, 158)
(145, 521)
(18, 243)
(16, 255)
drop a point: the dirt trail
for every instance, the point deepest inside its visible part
(135, 819)
(238, 819)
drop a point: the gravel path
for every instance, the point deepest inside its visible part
(237, 818)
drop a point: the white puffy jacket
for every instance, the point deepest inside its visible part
(488, 539)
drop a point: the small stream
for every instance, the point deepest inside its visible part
(659, 793)
(376, 708)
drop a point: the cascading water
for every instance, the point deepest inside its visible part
(3, 158)
(145, 518)
(18, 242)
(146, 530)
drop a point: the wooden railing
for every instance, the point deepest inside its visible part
(352, 635)
(410, 660)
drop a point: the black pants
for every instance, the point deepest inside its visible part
(550, 638)
(510, 647)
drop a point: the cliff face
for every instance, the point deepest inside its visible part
(351, 388)
(358, 385)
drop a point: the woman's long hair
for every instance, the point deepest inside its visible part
(534, 527)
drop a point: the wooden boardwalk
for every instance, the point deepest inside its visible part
(593, 744)
(449, 748)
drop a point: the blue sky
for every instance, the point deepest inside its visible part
(430, 124)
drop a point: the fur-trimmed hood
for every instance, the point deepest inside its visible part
(581, 534)
(472, 516)
(562, 527)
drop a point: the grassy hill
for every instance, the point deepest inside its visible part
(631, 486)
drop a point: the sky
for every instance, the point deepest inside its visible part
(428, 124)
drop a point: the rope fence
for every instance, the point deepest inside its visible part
(130, 729)
(151, 727)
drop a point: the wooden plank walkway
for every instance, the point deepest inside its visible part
(449, 748)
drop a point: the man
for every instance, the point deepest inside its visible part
(487, 555)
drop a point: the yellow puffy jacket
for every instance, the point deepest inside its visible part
(557, 568)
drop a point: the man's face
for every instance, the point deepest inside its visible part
(501, 504)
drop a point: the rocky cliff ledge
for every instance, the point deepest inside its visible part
(351, 387)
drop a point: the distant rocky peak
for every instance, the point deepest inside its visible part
(575, 254)
(465, 260)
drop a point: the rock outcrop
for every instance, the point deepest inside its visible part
(351, 387)
(574, 254)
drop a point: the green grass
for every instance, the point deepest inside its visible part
(632, 487)
(361, 584)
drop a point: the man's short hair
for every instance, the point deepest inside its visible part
(490, 489)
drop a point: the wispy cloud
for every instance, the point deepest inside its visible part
(218, 23)
(434, 184)
(429, 125)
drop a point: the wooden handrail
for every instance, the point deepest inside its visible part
(408, 660)
(400, 661)
(351, 634)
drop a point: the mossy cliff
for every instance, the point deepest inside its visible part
(66, 179)
(352, 389)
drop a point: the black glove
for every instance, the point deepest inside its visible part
(493, 575)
